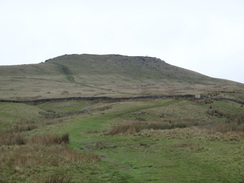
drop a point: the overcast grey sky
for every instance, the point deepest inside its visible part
(206, 36)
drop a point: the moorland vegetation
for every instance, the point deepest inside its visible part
(167, 139)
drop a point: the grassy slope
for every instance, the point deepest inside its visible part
(110, 75)
(163, 160)
(207, 146)
(193, 154)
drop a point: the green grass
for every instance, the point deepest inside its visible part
(144, 159)
(193, 154)
(175, 160)
(65, 106)
(13, 114)
(228, 108)
(155, 152)
(71, 141)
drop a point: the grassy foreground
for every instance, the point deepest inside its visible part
(166, 140)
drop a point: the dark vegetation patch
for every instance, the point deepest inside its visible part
(135, 127)
(67, 72)
(12, 138)
(49, 114)
(225, 127)
(18, 128)
(49, 139)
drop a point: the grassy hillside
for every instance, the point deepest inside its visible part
(129, 141)
(105, 75)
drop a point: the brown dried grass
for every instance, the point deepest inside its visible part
(229, 127)
(23, 128)
(11, 138)
(190, 133)
(135, 127)
(58, 178)
(17, 158)
(49, 139)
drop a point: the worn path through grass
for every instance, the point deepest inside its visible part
(174, 155)
(101, 121)
(152, 159)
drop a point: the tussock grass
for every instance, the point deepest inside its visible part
(229, 127)
(11, 138)
(29, 161)
(190, 133)
(230, 117)
(58, 178)
(25, 156)
(135, 127)
(49, 139)
(23, 128)
(22, 157)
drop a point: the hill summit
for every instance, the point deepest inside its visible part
(105, 75)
